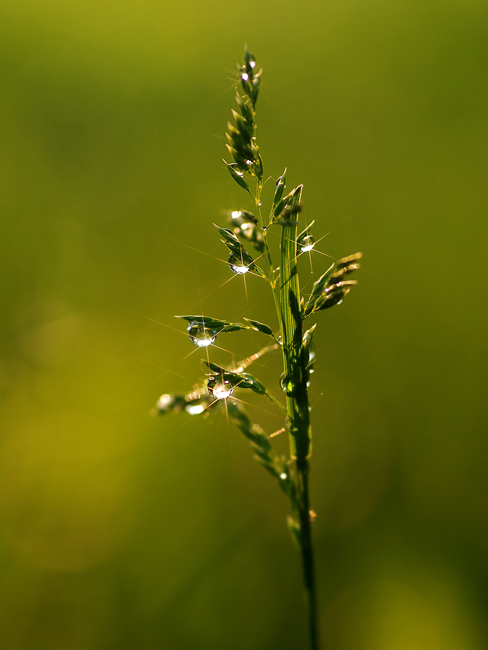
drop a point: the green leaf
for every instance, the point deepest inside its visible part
(169, 404)
(214, 367)
(294, 528)
(249, 62)
(278, 208)
(305, 239)
(245, 225)
(194, 403)
(317, 289)
(332, 287)
(308, 353)
(289, 205)
(254, 384)
(258, 167)
(228, 235)
(237, 249)
(255, 87)
(308, 336)
(237, 379)
(280, 186)
(237, 175)
(214, 323)
(246, 109)
(260, 327)
(242, 380)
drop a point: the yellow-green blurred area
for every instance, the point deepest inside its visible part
(121, 531)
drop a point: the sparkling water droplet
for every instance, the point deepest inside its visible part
(236, 214)
(236, 265)
(311, 357)
(166, 403)
(286, 384)
(252, 64)
(307, 244)
(245, 76)
(195, 409)
(283, 476)
(200, 335)
(220, 388)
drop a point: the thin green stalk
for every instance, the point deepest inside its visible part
(328, 290)
(295, 382)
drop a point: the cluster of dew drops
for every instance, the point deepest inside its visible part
(203, 336)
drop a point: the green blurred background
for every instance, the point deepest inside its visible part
(119, 531)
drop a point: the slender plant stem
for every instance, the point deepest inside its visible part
(297, 405)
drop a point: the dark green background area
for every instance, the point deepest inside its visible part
(119, 531)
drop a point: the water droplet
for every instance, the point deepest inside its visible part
(252, 64)
(283, 476)
(286, 384)
(340, 302)
(249, 162)
(236, 214)
(220, 388)
(245, 76)
(200, 335)
(236, 265)
(306, 244)
(195, 409)
(166, 403)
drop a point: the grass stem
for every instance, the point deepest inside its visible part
(295, 383)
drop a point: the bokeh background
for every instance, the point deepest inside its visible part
(119, 531)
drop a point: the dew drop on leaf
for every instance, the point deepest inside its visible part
(306, 244)
(236, 265)
(195, 409)
(220, 388)
(165, 403)
(200, 335)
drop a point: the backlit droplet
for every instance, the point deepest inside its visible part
(252, 64)
(195, 409)
(236, 214)
(306, 244)
(286, 384)
(282, 476)
(236, 265)
(220, 388)
(200, 335)
(165, 403)
(245, 76)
